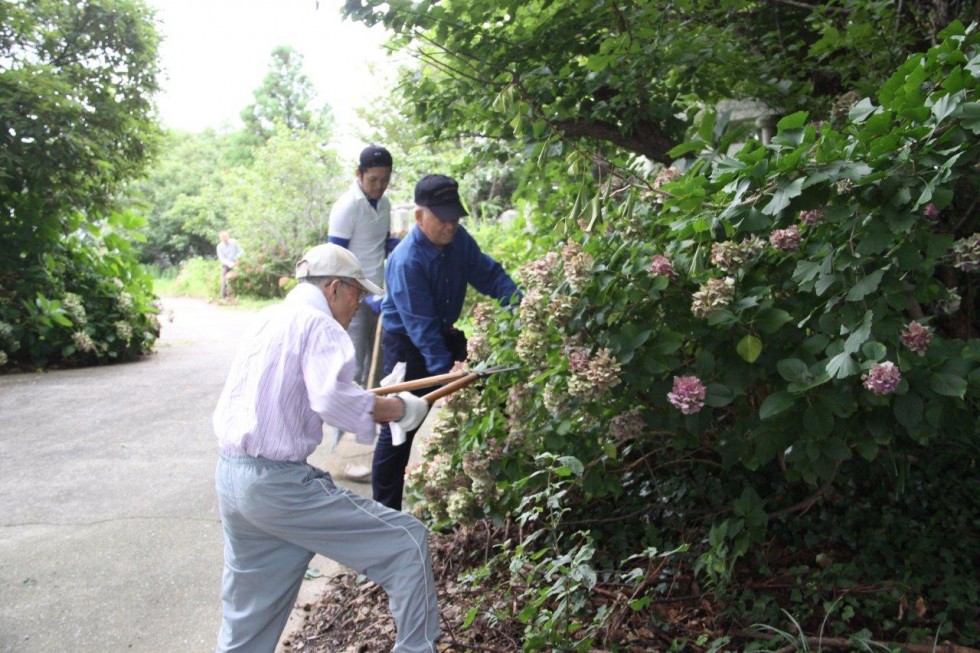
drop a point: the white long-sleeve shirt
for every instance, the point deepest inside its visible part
(292, 372)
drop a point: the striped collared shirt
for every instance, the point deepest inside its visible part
(293, 372)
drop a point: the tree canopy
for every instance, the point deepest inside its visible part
(78, 120)
(634, 73)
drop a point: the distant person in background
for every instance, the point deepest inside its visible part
(361, 222)
(228, 254)
(427, 277)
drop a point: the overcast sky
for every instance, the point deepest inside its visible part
(216, 52)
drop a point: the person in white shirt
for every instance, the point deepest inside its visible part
(293, 372)
(228, 253)
(360, 220)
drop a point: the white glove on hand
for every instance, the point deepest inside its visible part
(416, 408)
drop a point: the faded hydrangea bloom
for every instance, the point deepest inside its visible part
(844, 186)
(542, 273)
(628, 425)
(3, 358)
(552, 398)
(560, 309)
(688, 394)
(83, 341)
(785, 240)
(966, 253)
(72, 304)
(812, 217)
(713, 294)
(6, 332)
(932, 211)
(461, 505)
(118, 283)
(731, 256)
(661, 266)
(532, 347)
(883, 378)
(482, 314)
(125, 302)
(590, 376)
(951, 303)
(478, 346)
(124, 330)
(578, 265)
(916, 337)
(534, 309)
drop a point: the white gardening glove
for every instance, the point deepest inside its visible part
(416, 408)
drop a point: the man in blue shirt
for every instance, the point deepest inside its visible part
(425, 283)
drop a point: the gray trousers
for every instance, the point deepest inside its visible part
(361, 331)
(276, 515)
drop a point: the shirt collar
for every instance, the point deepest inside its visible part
(426, 247)
(309, 295)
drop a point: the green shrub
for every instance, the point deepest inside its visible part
(762, 357)
(85, 302)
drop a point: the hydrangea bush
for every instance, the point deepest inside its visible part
(85, 302)
(755, 360)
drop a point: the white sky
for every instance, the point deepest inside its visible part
(215, 53)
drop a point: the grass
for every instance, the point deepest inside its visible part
(201, 278)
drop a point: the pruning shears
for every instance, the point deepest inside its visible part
(450, 382)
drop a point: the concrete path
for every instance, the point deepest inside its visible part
(109, 533)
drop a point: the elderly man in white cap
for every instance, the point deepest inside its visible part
(292, 373)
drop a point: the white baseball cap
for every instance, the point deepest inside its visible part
(330, 260)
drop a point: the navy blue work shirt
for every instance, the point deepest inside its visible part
(425, 289)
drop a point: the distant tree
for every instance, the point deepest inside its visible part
(76, 121)
(279, 206)
(285, 96)
(182, 196)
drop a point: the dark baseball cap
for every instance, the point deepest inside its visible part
(375, 156)
(440, 194)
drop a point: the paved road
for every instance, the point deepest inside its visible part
(109, 533)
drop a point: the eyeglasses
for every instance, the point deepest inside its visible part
(361, 293)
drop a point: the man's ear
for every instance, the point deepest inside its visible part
(419, 212)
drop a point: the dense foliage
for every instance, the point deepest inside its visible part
(751, 378)
(77, 121)
(626, 71)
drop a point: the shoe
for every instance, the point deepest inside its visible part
(354, 472)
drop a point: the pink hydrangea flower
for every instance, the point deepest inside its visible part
(785, 240)
(916, 337)
(812, 217)
(688, 395)
(932, 212)
(883, 378)
(661, 266)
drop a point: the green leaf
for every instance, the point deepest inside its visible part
(770, 319)
(718, 395)
(860, 111)
(793, 121)
(572, 463)
(908, 410)
(970, 116)
(865, 286)
(818, 421)
(948, 385)
(842, 366)
(775, 403)
(749, 348)
(874, 351)
(783, 195)
(835, 449)
(793, 370)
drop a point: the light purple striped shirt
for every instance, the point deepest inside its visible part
(293, 372)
